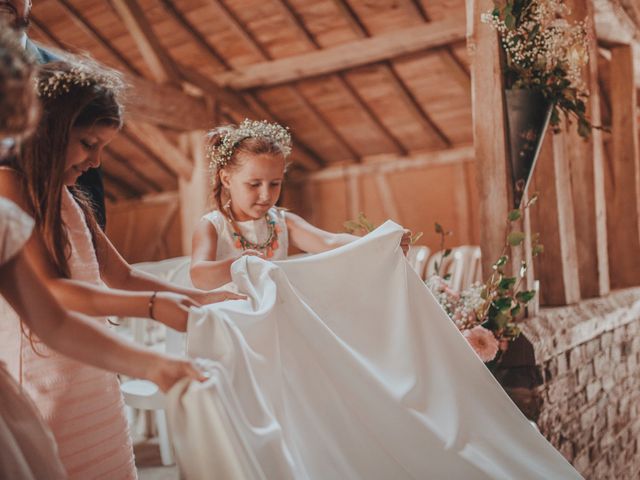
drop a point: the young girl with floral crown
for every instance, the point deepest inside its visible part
(81, 404)
(248, 164)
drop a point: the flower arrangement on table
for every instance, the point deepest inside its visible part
(487, 313)
(546, 53)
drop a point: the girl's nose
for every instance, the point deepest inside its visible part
(94, 159)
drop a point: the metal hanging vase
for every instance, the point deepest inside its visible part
(528, 115)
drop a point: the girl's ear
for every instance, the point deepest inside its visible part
(224, 178)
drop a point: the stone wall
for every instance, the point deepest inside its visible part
(589, 404)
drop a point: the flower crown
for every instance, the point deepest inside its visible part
(219, 155)
(61, 82)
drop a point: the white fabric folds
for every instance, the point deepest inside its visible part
(343, 366)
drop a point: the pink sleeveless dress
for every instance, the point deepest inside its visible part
(27, 448)
(81, 404)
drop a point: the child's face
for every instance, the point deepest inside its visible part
(254, 185)
(85, 150)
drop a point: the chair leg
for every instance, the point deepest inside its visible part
(166, 451)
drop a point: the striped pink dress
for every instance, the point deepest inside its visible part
(82, 404)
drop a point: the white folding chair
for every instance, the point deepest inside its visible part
(143, 394)
(417, 258)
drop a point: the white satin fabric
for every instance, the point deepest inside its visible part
(343, 366)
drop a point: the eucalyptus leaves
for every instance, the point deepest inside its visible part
(496, 305)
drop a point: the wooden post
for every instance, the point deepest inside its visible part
(552, 217)
(489, 128)
(623, 220)
(586, 158)
(194, 193)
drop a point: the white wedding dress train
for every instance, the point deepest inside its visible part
(342, 365)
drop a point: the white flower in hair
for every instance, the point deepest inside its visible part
(60, 83)
(220, 155)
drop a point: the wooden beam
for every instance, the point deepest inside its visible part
(553, 219)
(162, 67)
(181, 19)
(391, 163)
(586, 159)
(395, 79)
(489, 127)
(124, 163)
(147, 101)
(289, 12)
(195, 192)
(388, 200)
(623, 219)
(170, 155)
(95, 34)
(345, 56)
(164, 106)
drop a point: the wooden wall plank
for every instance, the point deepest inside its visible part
(586, 158)
(623, 220)
(552, 218)
(488, 132)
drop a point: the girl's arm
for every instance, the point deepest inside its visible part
(82, 338)
(117, 273)
(207, 273)
(83, 297)
(311, 239)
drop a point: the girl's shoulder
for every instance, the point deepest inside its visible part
(216, 218)
(12, 187)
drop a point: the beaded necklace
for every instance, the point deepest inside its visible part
(242, 243)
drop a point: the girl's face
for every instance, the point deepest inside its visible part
(254, 185)
(85, 150)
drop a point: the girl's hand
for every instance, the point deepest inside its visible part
(405, 242)
(169, 370)
(215, 296)
(172, 309)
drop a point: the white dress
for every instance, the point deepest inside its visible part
(342, 365)
(27, 447)
(256, 231)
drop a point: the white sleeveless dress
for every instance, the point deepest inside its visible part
(27, 447)
(256, 231)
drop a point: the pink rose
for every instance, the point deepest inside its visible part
(483, 342)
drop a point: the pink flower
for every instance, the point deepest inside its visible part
(483, 342)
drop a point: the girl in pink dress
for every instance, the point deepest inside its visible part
(81, 404)
(27, 448)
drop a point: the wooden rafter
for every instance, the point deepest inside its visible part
(146, 101)
(297, 21)
(346, 56)
(455, 66)
(155, 56)
(326, 123)
(389, 163)
(117, 157)
(154, 139)
(179, 17)
(121, 184)
(95, 35)
(394, 78)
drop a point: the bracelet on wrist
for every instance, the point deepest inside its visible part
(152, 301)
